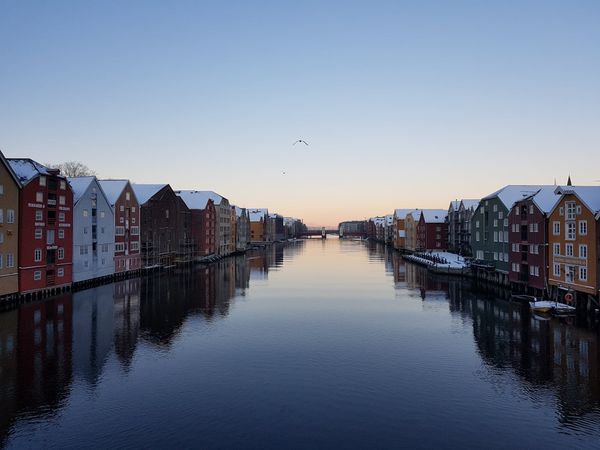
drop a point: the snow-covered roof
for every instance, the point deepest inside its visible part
(239, 211)
(113, 189)
(289, 220)
(79, 185)
(27, 169)
(508, 195)
(590, 195)
(401, 213)
(380, 220)
(216, 198)
(9, 168)
(145, 192)
(257, 214)
(434, 215)
(470, 203)
(454, 204)
(545, 198)
(195, 199)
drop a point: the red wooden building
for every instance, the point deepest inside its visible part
(432, 230)
(528, 239)
(124, 203)
(204, 221)
(45, 227)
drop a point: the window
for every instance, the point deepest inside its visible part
(495, 222)
(10, 216)
(1, 215)
(1, 189)
(557, 270)
(569, 274)
(60, 272)
(101, 230)
(477, 236)
(10, 260)
(556, 228)
(119, 231)
(133, 220)
(86, 264)
(39, 197)
(530, 209)
(39, 216)
(85, 230)
(85, 213)
(1, 237)
(1, 261)
(61, 253)
(42, 180)
(38, 233)
(505, 236)
(83, 250)
(495, 236)
(480, 254)
(531, 270)
(561, 211)
(62, 200)
(583, 251)
(578, 209)
(133, 209)
(121, 220)
(516, 267)
(119, 247)
(166, 213)
(37, 275)
(515, 247)
(505, 222)
(556, 249)
(500, 215)
(135, 231)
(121, 208)
(583, 273)
(61, 217)
(570, 231)
(37, 255)
(61, 233)
(495, 256)
(127, 196)
(583, 227)
(104, 248)
(63, 185)
(135, 246)
(495, 208)
(102, 214)
(569, 249)
(477, 224)
(570, 210)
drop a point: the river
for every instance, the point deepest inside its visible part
(315, 344)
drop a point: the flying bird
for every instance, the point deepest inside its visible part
(301, 141)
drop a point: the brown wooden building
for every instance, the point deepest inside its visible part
(203, 222)
(9, 232)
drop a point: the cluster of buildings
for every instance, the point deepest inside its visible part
(541, 239)
(56, 231)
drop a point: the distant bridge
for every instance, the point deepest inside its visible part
(318, 233)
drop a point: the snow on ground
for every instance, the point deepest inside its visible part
(453, 261)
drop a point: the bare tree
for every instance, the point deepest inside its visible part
(73, 169)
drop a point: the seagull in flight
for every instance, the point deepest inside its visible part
(300, 141)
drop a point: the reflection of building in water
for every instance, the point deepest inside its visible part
(224, 285)
(545, 353)
(93, 331)
(242, 275)
(35, 355)
(126, 295)
(399, 268)
(292, 250)
(418, 278)
(8, 370)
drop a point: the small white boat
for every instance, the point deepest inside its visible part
(548, 306)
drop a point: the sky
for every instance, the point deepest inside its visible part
(403, 104)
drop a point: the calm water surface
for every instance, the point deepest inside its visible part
(316, 344)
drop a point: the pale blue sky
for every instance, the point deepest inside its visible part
(404, 104)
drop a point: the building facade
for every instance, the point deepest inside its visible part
(93, 231)
(528, 238)
(163, 232)
(411, 221)
(460, 213)
(432, 230)
(258, 224)
(574, 238)
(9, 232)
(399, 228)
(126, 210)
(242, 228)
(45, 232)
(203, 222)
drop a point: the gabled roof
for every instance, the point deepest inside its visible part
(9, 169)
(454, 204)
(79, 185)
(195, 199)
(257, 214)
(401, 213)
(239, 211)
(545, 198)
(469, 203)
(589, 195)
(145, 192)
(508, 195)
(434, 215)
(27, 169)
(113, 189)
(216, 198)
